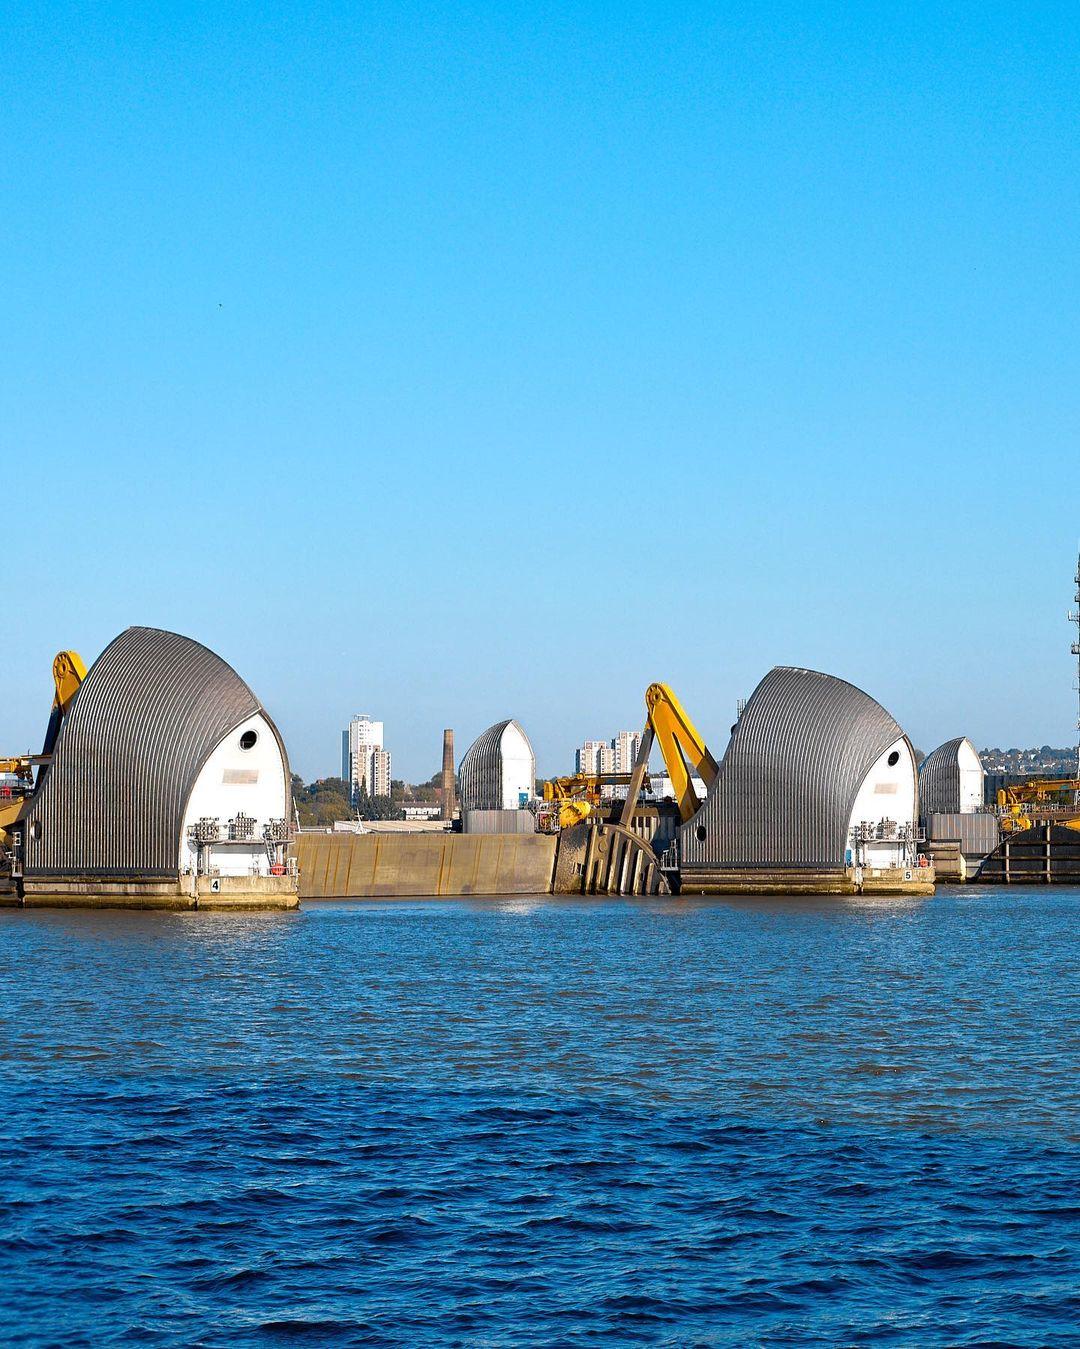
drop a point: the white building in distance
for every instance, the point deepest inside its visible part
(617, 755)
(662, 788)
(626, 745)
(365, 761)
(587, 758)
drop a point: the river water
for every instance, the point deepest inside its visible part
(544, 1122)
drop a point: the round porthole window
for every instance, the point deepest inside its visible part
(248, 739)
(35, 830)
(701, 833)
(894, 758)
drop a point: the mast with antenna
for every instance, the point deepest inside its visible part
(1074, 617)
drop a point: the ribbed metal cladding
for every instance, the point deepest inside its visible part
(151, 709)
(978, 833)
(480, 775)
(498, 822)
(788, 782)
(939, 780)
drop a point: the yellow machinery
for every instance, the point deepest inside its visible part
(681, 745)
(69, 671)
(1056, 800)
(574, 798)
(684, 752)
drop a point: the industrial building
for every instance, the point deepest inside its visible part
(951, 780)
(498, 773)
(817, 791)
(960, 832)
(169, 783)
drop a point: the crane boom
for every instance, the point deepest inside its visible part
(69, 671)
(683, 749)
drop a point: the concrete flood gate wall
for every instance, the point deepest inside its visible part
(357, 866)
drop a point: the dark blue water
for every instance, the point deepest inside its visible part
(557, 1122)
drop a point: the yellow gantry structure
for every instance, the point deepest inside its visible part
(579, 794)
(1021, 803)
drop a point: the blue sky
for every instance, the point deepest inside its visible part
(460, 363)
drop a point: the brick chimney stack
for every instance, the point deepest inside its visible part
(448, 792)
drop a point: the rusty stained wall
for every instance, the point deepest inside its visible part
(335, 866)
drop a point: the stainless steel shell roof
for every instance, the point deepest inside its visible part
(788, 782)
(150, 711)
(939, 780)
(480, 775)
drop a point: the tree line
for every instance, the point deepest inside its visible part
(329, 799)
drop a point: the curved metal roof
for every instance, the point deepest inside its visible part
(480, 776)
(939, 779)
(150, 711)
(788, 782)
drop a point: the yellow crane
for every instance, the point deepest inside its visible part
(668, 725)
(1020, 803)
(69, 671)
(681, 745)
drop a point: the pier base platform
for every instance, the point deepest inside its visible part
(184, 893)
(841, 881)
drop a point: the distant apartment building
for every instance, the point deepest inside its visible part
(609, 756)
(587, 758)
(379, 773)
(626, 745)
(365, 762)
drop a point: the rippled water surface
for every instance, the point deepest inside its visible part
(549, 1122)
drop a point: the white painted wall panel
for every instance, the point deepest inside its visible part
(238, 781)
